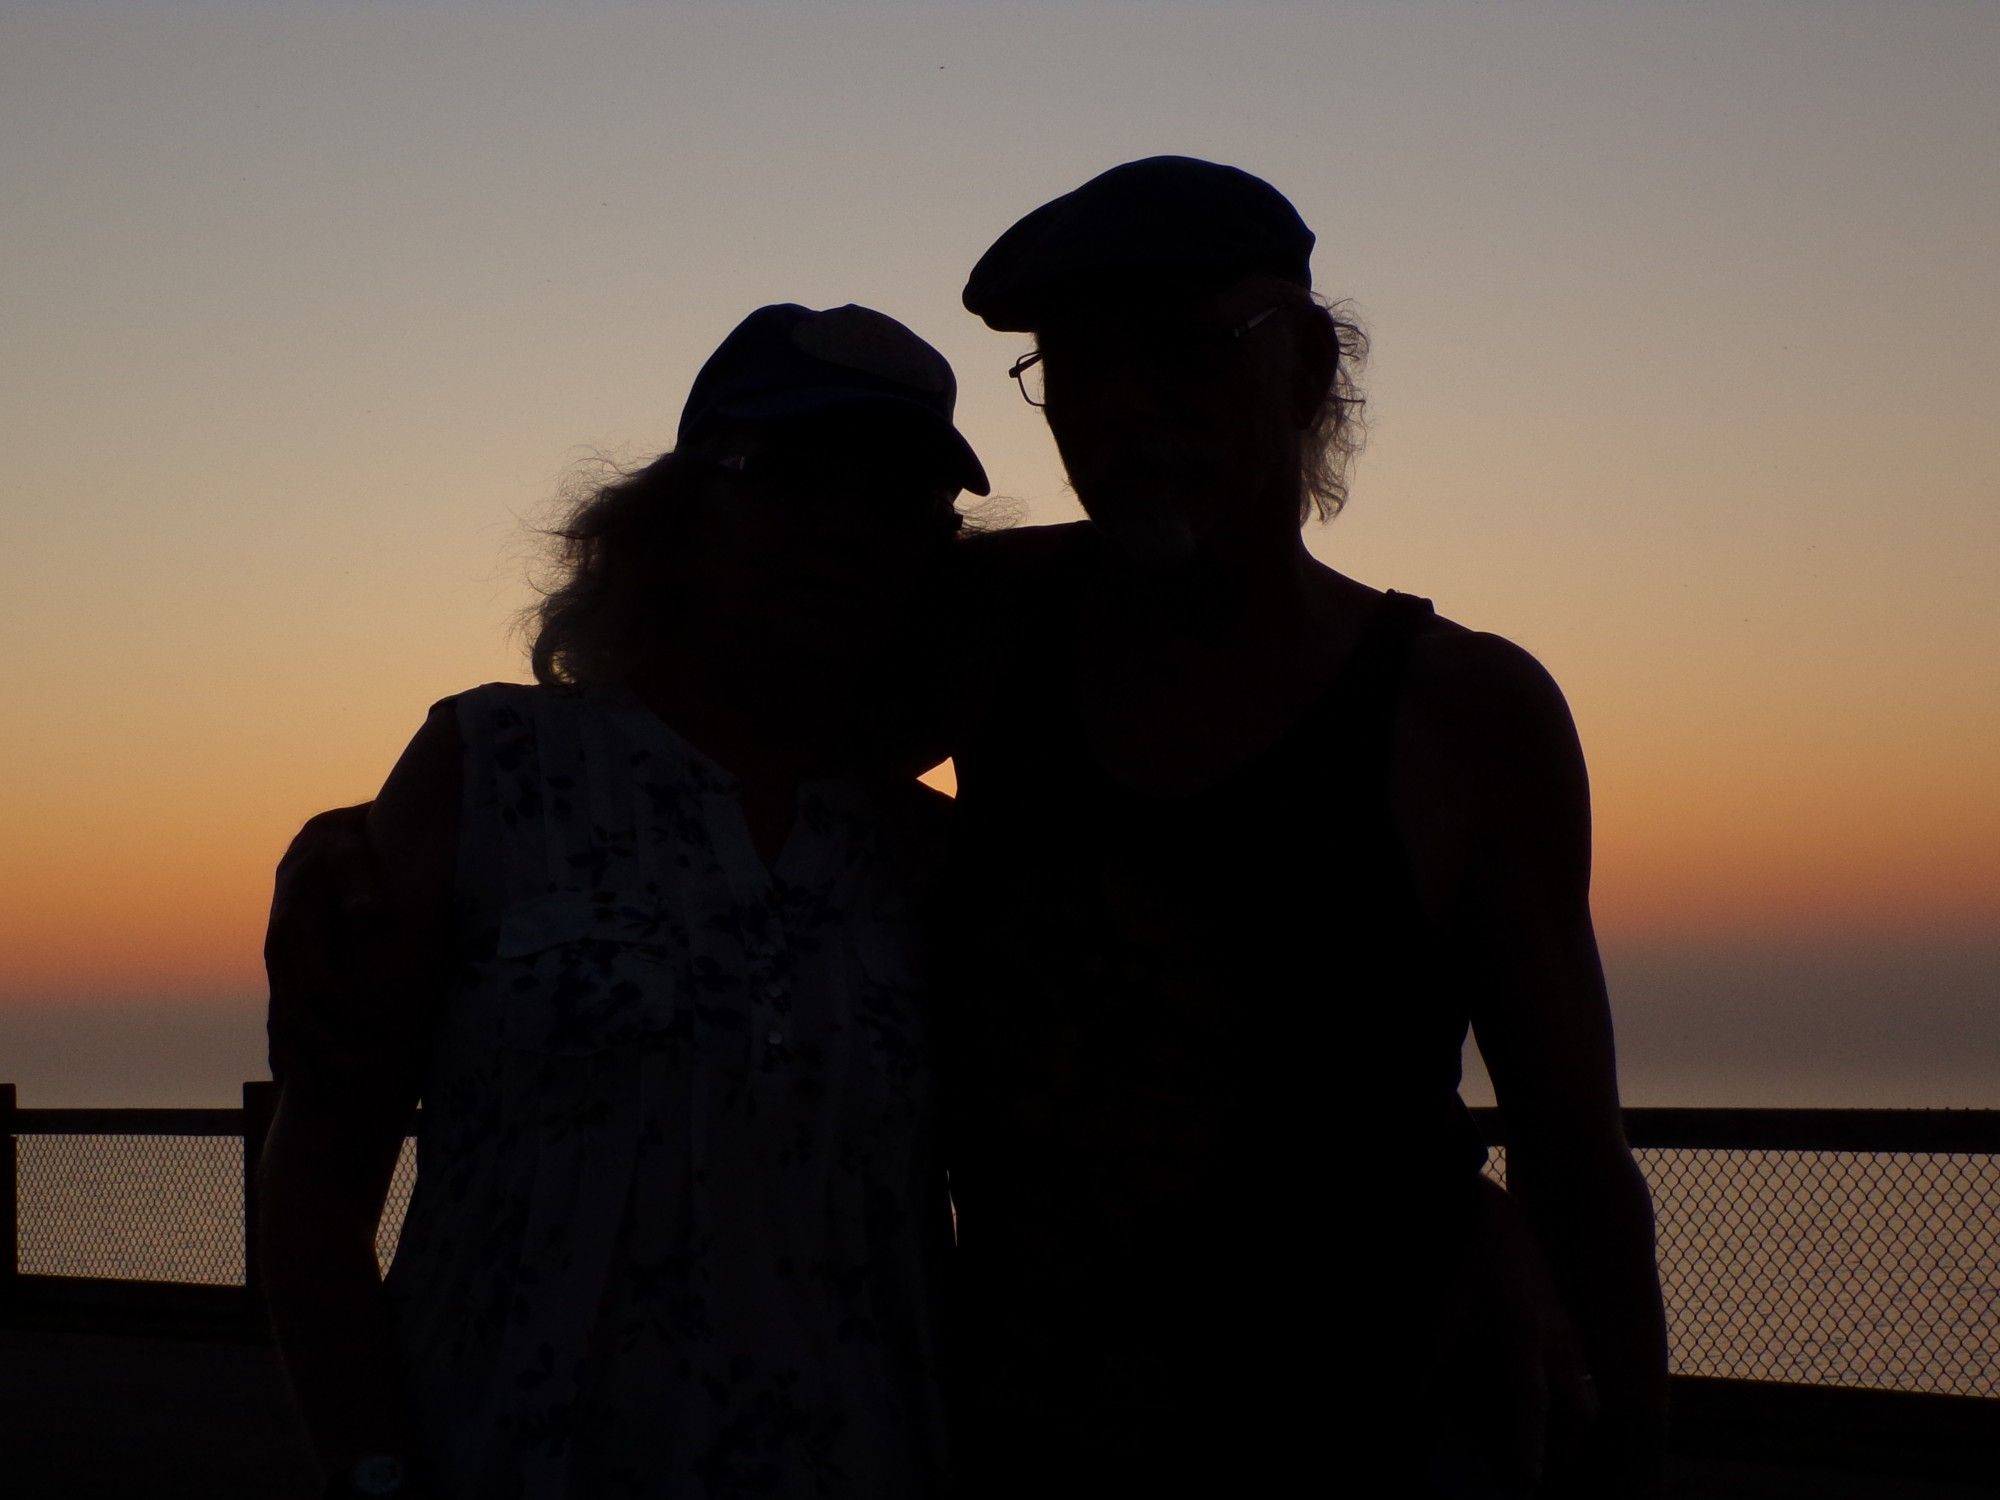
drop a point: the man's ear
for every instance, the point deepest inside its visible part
(1315, 360)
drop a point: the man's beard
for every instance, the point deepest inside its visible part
(1145, 515)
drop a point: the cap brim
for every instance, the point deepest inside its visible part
(961, 463)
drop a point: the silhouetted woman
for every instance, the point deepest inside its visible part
(650, 965)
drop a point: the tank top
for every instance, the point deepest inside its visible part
(1208, 1154)
(679, 1203)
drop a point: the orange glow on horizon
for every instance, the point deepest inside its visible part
(160, 902)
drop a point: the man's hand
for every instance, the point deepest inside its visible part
(328, 916)
(1518, 1392)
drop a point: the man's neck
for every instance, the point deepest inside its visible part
(1245, 596)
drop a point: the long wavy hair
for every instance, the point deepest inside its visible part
(606, 604)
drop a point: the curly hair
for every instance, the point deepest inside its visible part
(1338, 430)
(604, 606)
(607, 600)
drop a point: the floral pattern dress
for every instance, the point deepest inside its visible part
(679, 1208)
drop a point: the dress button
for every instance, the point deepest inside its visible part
(776, 1039)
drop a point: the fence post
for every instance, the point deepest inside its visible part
(10, 1199)
(260, 1102)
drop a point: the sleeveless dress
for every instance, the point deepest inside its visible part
(1208, 1155)
(679, 1201)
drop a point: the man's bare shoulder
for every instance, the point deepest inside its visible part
(1487, 759)
(1476, 688)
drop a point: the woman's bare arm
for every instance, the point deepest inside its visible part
(1503, 847)
(346, 1099)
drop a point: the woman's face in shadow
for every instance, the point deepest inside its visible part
(815, 547)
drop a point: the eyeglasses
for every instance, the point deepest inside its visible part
(1180, 355)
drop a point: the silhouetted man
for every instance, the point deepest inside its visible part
(1244, 844)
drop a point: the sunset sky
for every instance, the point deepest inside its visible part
(1686, 377)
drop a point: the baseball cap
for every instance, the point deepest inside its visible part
(1165, 218)
(785, 360)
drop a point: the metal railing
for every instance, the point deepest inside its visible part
(1855, 1248)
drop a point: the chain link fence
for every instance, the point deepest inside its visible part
(1872, 1269)
(151, 1207)
(141, 1197)
(131, 1207)
(390, 1230)
(1877, 1269)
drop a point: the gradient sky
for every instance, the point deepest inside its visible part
(1687, 326)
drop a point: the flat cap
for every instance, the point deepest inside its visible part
(1162, 217)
